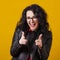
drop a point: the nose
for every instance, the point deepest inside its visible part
(31, 20)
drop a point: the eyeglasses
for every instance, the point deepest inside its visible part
(33, 18)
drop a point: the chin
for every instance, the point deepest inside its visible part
(33, 29)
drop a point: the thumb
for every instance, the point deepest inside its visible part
(23, 34)
(40, 36)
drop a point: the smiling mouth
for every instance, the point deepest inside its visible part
(32, 25)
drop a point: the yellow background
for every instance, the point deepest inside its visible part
(10, 13)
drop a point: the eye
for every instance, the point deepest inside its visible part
(34, 18)
(28, 18)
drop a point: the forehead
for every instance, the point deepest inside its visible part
(29, 13)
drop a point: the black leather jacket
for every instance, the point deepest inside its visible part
(21, 52)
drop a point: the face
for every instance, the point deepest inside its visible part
(32, 21)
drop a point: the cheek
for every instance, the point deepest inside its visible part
(37, 22)
(37, 25)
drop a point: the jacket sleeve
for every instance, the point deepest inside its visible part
(47, 41)
(16, 47)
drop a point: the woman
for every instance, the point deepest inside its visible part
(32, 38)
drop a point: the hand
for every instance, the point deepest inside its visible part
(38, 42)
(23, 40)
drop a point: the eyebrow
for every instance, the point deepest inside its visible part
(31, 17)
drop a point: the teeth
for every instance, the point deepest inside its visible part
(32, 25)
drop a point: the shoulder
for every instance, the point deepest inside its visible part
(17, 32)
(47, 38)
(48, 34)
(18, 28)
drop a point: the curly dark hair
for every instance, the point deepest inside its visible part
(39, 13)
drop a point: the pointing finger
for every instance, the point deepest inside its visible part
(40, 36)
